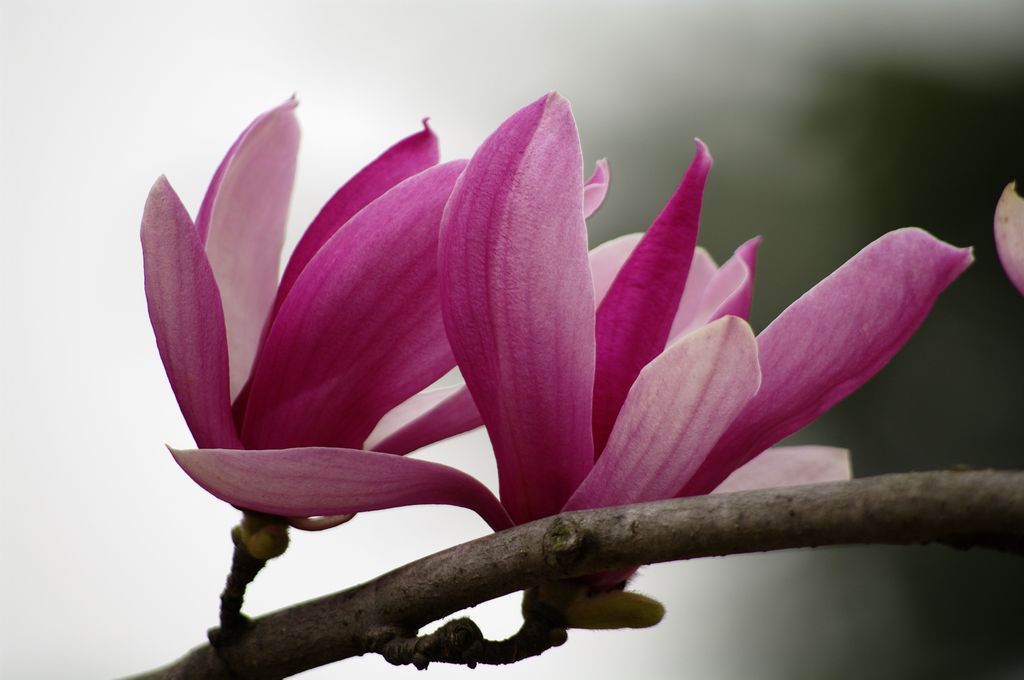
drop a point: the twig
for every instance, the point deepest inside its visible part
(962, 509)
(244, 568)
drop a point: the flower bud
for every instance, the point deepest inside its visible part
(582, 608)
(264, 536)
(614, 609)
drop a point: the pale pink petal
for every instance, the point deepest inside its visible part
(242, 221)
(1009, 230)
(694, 308)
(426, 418)
(408, 411)
(635, 317)
(607, 259)
(318, 523)
(185, 310)
(361, 330)
(326, 481)
(678, 407)
(833, 339)
(407, 157)
(732, 290)
(595, 190)
(690, 314)
(519, 303)
(790, 466)
(727, 291)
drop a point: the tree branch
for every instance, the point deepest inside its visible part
(961, 509)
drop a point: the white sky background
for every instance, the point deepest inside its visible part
(112, 559)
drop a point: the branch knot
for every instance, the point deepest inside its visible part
(563, 544)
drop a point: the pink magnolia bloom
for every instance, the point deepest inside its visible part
(281, 382)
(1009, 232)
(631, 375)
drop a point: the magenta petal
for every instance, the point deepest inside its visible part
(595, 190)
(324, 481)
(242, 221)
(635, 317)
(361, 330)
(678, 407)
(424, 419)
(607, 259)
(185, 310)
(1009, 231)
(728, 291)
(519, 303)
(789, 466)
(833, 339)
(407, 157)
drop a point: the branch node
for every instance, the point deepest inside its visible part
(564, 543)
(457, 641)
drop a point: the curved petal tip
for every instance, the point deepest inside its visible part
(702, 154)
(595, 189)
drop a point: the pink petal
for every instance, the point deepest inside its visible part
(518, 303)
(1009, 230)
(833, 339)
(324, 481)
(242, 221)
(595, 190)
(318, 523)
(732, 289)
(361, 330)
(692, 313)
(727, 291)
(401, 161)
(185, 310)
(678, 407)
(408, 411)
(635, 317)
(790, 466)
(607, 259)
(438, 414)
(424, 419)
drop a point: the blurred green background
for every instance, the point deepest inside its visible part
(875, 141)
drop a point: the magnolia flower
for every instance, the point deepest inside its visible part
(281, 382)
(1009, 231)
(661, 389)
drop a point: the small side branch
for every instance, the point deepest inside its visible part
(460, 642)
(962, 509)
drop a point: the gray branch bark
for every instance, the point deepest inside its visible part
(961, 509)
